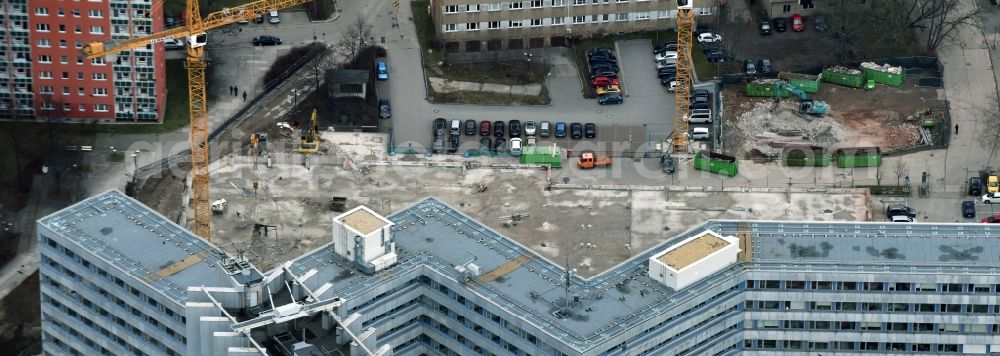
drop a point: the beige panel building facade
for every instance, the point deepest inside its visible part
(478, 25)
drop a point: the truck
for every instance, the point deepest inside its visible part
(589, 160)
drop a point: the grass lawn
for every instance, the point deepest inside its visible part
(502, 72)
(425, 32)
(175, 114)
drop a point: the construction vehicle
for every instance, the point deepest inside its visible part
(682, 89)
(309, 143)
(806, 105)
(589, 160)
(194, 33)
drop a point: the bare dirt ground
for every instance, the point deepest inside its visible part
(856, 118)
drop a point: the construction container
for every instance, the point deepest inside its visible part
(858, 157)
(805, 156)
(805, 82)
(884, 74)
(844, 76)
(765, 87)
(716, 163)
(550, 155)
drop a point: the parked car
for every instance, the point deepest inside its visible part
(384, 110)
(514, 128)
(700, 92)
(900, 209)
(452, 144)
(456, 127)
(902, 219)
(381, 70)
(470, 127)
(603, 81)
(666, 63)
(699, 102)
(765, 27)
(968, 209)
(272, 17)
(797, 24)
(748, 67)
(515, 147)
(594, 66)
(439, 127)
(499, 129)
(173, 43)
(543, 129)
(589, 130)
(484, 128)
(819, 23)
(438, 145)
(995, 219)
(989, 198)
(975, 186)
(709, 37)
(529, 128)
(500, 145)
(259, 18)
(608, 89)
(591, 52)
(485, 144)
(604, 73)
(671, 86)
(610, 98)
(665, 46)
(169, 20)
(992, 184)
(668, 164)
(764, 66)
(716, 56)
(560, 129)
(699, 133)
(780, 24)
(530, 142)
(664, 55)
(266, 40)
(575, 131)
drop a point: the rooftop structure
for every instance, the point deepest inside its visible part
(521, 302)
(363, 220)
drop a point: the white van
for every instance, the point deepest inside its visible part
(699, 133)
(272, 17)
(515, 146)
(456, 126)
(700, 116)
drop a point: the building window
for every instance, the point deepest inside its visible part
(77, 29)
(472, 26)
(96, 30)
(473, 8)
(81, 92)
(63, 59)
(450, 27)
(67, 107)
(494, 7)
(705, 11)
(79, 60)
(579, 19)
(536, 3)
(95, 13)
(558, 2)
(786, 8)
(76, 12)
(62, 43)
(44, 58)
(536, 22)
(79, 75)
(62, 28)
(806, 5)
(493, 25)
(98, 61)
(514, 23)
(579, 2)
(100, 92)
(516, 5)
(42, 11)
(42, 27)
(83, 107)
(621, 0)
(45, 75)
(48, 106)
(451, 9)
(621, 16)
(65, 90)
(643, 15)
(558, 20)
(102, 108)
(61, 12)
(46, 89)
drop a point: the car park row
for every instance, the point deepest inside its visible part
(493, 134)
(603, 66)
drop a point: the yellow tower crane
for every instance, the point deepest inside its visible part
(685, 22)
(194, 32)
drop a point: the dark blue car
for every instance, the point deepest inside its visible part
(381, 70)
(560, 129)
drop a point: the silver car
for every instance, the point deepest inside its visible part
(529, 128)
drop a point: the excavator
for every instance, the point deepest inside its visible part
(588, 160)
(806, 105)
(310, 141)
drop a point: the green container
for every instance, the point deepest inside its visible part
(805, 156)
(765, 89)
(806, 83)
(716, 163)
(884, 77)
(853, 81)
(858, 157)
(550, 155)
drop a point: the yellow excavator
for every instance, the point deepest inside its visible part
(309, 143)
(194, 31)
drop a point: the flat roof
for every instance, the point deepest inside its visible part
(363, 220)
(144, 244)
(693, 251)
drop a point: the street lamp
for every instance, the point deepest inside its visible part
(135, 165)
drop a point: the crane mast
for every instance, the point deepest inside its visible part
(682, 93)
(194, 29)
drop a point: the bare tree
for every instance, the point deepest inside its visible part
(878, 175)
(940, 19)
(901, 170)
(353, 40)
(846, 22)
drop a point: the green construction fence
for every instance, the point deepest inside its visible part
(550, 155)
(853, 81)
(716, 163)
(858, 157)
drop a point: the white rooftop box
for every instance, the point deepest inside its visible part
(694, 258)
(362, 236)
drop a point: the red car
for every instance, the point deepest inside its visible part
(995, 219)
(484, 128)
(797, 25)
(603, 81)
